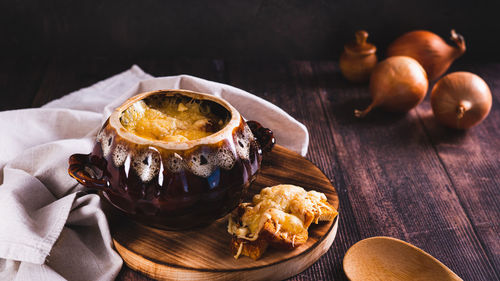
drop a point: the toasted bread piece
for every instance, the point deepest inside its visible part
(279, 237)
(252, 249)
(327, 214)
(313, 208)
(278, 216)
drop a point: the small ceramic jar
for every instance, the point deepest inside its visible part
(358, 59)
(174, 185)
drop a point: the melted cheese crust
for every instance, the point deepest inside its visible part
(290, 207)
(170, 121)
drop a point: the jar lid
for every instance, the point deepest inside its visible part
(360, 46)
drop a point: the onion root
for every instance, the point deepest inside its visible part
(462, 108)
(362, 113)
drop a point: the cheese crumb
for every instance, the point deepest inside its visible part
(181, 107)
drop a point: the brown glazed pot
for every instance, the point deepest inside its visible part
(174, 185)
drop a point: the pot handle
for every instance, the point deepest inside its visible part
(264, 136)
(83, 168)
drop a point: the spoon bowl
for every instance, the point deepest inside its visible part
(386, 258)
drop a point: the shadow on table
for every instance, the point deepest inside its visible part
(344, 113)
(440, 134)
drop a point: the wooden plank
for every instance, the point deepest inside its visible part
(273, 81)
(19, 81)
(472, 161)
(396, 183)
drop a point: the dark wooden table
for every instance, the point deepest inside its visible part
(403, 176)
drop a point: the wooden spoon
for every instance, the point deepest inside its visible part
(386, 258)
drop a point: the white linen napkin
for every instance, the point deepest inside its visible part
(49, 229)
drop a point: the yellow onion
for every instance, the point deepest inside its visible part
(397, 84)
(461, 100)
(430, 50)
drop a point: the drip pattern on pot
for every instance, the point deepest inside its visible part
(148, 162)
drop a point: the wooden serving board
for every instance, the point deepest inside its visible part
(204, 254)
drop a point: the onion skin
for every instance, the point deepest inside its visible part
(430, 50)
(461, 100)
(397, 84)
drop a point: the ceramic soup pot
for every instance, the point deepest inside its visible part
(174, 184)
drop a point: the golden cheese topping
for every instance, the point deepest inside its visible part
(171, 121)
(290, 207)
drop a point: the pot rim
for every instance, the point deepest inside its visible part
(224, 133)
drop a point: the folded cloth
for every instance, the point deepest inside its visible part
(49, 228)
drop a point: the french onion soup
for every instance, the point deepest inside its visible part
(174, 118)
(174, 159)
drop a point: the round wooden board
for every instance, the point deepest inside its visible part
(204, 254)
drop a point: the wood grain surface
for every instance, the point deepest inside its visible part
(204, 253)
(403, 176)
